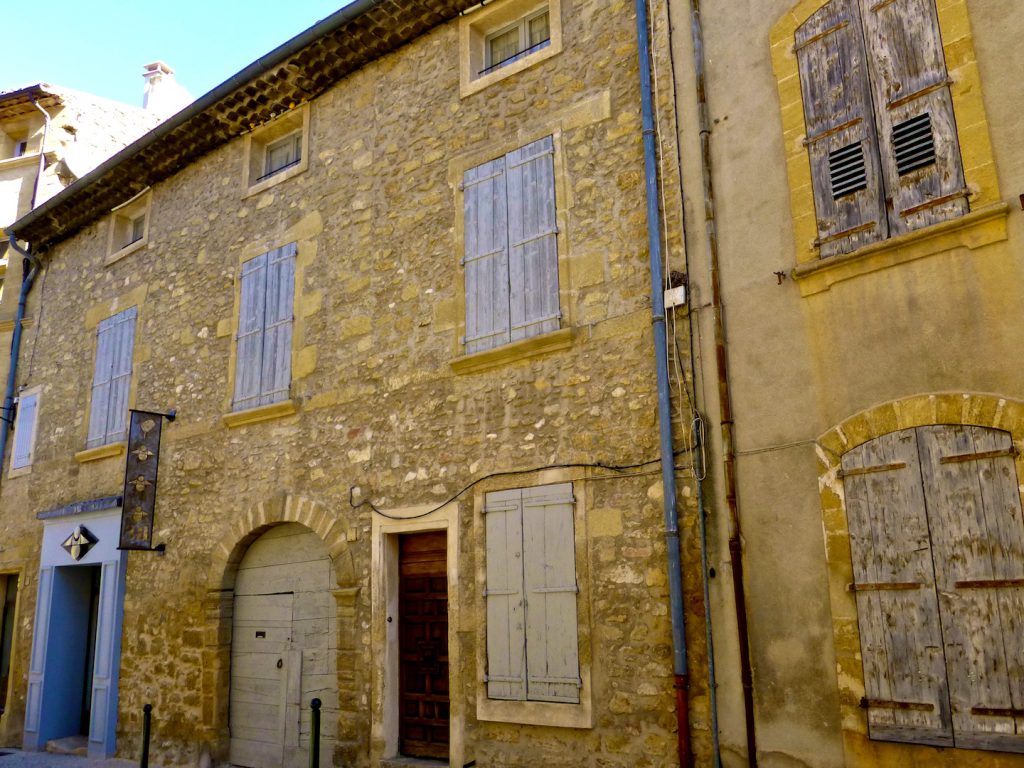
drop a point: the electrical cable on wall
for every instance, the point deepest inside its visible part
(620, 468)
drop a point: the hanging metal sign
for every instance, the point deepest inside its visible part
(138, 502)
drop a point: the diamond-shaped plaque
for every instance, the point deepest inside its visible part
(79, 542)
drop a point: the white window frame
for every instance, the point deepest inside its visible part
(18, 466)
(250, 365)
(293, 142)
(293, 126)
(522, 25)
(113, 431)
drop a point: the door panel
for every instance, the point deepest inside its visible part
(423, 645)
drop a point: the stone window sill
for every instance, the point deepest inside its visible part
(480, 82)
(277, 178)
(973, 230)
(101, 452)
(129, 249)
(260, 413)
(20, 471)
(509, 353)
(535, 713)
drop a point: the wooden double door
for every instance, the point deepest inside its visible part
(937, 541)
(423, 722)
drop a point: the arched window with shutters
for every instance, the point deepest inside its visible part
(880, 130)
(937, 547)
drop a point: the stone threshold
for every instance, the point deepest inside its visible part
(411, 762)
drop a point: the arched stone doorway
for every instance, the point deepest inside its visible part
(283, 649)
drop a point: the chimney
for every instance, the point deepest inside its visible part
(163, 95)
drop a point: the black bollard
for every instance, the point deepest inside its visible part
(314, 734)
(147, 716)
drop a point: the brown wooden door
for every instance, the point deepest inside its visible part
(423, 645)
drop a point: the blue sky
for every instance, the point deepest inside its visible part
(99, 46)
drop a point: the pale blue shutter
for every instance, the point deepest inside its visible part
(506, 629)
(486, 256)
(277, 337)
(533, 249)
(249, 347)
(112, 378)
(121, 376)
(24, 431)
(549, 567)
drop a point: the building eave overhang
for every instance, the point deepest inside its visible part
(290, 75)
(21, 101)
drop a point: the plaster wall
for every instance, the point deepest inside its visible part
(801, 364)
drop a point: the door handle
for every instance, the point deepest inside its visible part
(280, 663)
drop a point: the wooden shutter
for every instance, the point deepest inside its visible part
(894, 583)
(486, 256)
(249, 346)
(276, 373)
(917, 134)
(506, 626)
(121, 376)
(112, 378)
(533, 249)
(841, 135)
(24, 431)
(974, 508)
(549, 566)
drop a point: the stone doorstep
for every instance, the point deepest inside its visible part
(69, 745)
(411, 762)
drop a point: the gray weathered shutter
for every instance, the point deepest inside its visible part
(533, 248)
(486, 256)
(24, 431)
(249, 347)
(549, 566)
(901, 638)
(841, 135)
(974, 509)
(506, 626)
(123, 333)
(917, 132)
(277, 338)
(112, 378)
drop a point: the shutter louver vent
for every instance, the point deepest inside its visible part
(913, 144)
(847, 171)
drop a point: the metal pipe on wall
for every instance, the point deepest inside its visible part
(42, 154)
(724, 392)
(668, 470)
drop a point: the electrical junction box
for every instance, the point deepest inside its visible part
(675, 297)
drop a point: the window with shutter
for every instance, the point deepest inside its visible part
(115, 343)
(937, 541)
(532, 633)
(511, 252)
(25, 430)
(881, 137)
(263, 351)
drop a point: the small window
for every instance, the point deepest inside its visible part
(512, 43)
(25, 430)
(108, 414)
(504, 37)
(129, 227)
(20, 147)
(276, 151)
(282, 154)
(532, 632)
(511, 249)
(264, 341)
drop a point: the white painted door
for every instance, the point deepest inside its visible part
(284, 650)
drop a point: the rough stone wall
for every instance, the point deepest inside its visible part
(379, 406)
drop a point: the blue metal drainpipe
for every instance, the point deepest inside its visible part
(668, 470)
(12, 372)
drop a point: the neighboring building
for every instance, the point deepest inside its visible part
(867, 165)
(394, 279)
(49, 137)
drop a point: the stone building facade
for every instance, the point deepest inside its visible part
(872, 327)
(370, 466)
